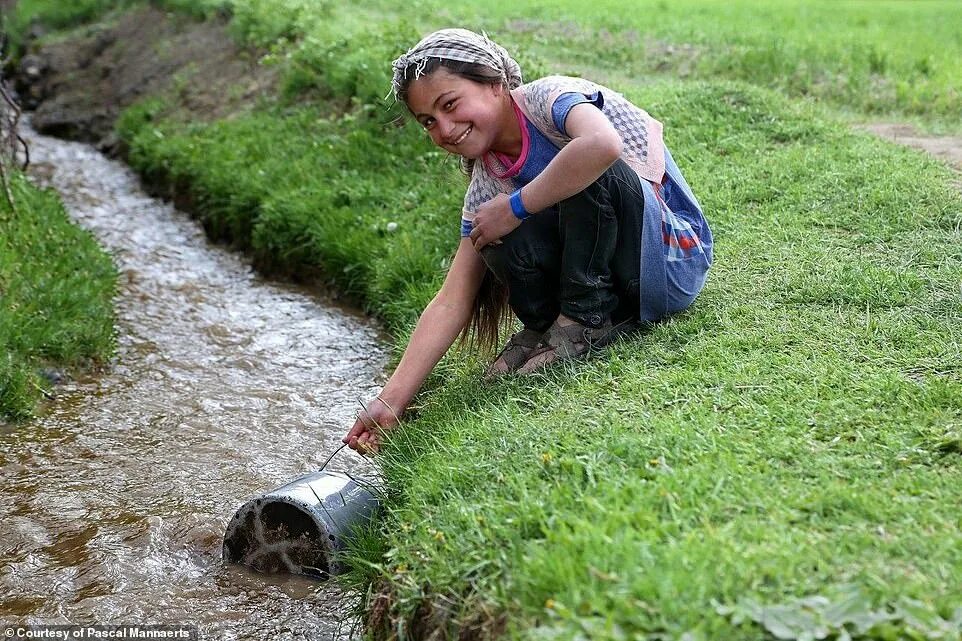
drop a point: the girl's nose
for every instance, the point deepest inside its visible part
(446, 126)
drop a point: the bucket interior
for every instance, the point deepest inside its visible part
(276, 536)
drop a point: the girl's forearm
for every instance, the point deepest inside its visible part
(436, 330)
(580, 163)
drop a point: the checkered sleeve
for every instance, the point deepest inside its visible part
(643, 148)
(482, 188)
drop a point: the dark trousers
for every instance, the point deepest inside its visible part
(579, 258)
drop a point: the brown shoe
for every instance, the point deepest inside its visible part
(514, 353)
(564, 342)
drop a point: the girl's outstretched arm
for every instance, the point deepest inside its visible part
(438, 327)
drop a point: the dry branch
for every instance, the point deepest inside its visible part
(10, 138)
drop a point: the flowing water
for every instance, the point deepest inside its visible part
(225, 385)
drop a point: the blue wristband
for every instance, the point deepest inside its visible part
(517, 207)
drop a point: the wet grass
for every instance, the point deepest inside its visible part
(782, 461)
(56, 289)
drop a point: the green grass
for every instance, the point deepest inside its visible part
(885, 59)
(56, 16)
(51, 15)
(793, 435)
(874, 60)
(315, 210)
(56, 289)
(781, 461)
(878, 59)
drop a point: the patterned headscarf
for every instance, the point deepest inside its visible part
(460, 45)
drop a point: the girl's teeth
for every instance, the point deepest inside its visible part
(463, 136)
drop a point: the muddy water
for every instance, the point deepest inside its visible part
(114, 503)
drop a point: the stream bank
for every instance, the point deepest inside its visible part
(225, 384)
(77, 85)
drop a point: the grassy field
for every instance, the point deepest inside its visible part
(879, 59)
(889, 59)
(782, 461)
(56, 288)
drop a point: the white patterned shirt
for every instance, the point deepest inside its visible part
(642, 144)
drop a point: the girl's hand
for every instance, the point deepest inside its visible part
(365, 435)
(493, 220)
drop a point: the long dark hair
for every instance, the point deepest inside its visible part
(490, 310)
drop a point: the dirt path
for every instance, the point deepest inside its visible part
(946, 148)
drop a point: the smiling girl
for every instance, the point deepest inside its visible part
(576, 217)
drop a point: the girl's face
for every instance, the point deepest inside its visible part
(462, 116)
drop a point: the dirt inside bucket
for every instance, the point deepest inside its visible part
(275, 537)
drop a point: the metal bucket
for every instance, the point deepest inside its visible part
(299, 528)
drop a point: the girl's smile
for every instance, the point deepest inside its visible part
(463, 136)
(465, 117)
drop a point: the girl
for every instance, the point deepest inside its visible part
(575, 216)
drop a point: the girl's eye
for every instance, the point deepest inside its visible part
(427, 123)
(448, 105)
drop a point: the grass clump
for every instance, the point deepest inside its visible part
(52, 14)
(55, 15)
(58, 16)
(56, 289)
(313, 196)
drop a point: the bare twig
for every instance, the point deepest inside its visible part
(10, 138)
(6, 187)
(26, 153)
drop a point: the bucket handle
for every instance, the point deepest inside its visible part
(333, 454)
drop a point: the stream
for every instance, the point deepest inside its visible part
(225, 385)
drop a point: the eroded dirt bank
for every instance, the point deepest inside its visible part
(79, 85)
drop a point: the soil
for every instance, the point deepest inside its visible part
(79, 85)
(946, 148)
